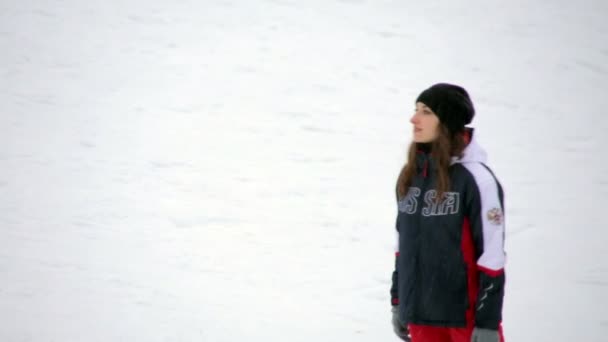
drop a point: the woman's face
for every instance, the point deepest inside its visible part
(426, 124)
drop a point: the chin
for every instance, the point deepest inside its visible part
(422, 140)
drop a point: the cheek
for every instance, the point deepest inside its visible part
(431, 122)
(434, 127)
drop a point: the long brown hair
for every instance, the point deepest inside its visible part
(443, 148)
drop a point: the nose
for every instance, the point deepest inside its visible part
(414, 118)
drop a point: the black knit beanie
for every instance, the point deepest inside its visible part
(451, 104)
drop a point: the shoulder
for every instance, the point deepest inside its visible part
(479, 172)
(483, 183)
(471, 172)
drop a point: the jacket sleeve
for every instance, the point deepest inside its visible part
(394, 286)
(486, 213)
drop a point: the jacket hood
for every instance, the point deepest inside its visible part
(473, 153)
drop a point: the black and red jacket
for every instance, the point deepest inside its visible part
(450, 257)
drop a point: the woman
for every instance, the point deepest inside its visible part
(448, 283)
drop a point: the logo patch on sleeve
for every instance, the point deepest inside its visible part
(495, 216)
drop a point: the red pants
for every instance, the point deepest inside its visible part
(427, 333)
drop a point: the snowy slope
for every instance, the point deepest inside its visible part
(224, 170)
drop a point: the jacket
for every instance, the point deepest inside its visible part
(450, 258)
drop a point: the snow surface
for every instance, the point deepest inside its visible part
(224, 170)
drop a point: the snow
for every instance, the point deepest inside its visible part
(224, 170)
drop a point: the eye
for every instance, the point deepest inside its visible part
(426, 111)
